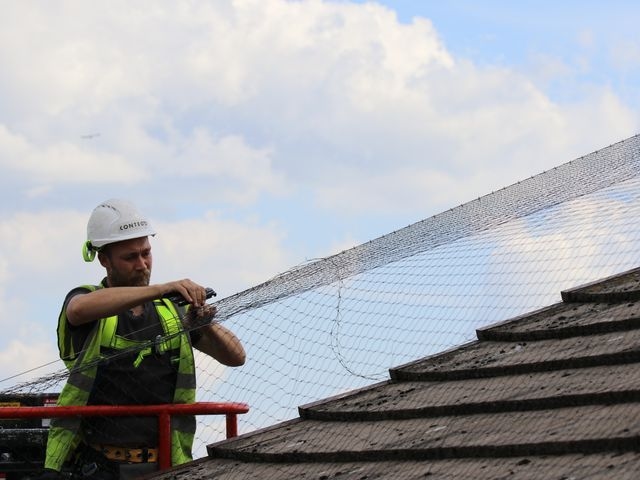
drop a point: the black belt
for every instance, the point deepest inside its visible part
(127, 454)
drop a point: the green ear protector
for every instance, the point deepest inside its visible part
(88, 251)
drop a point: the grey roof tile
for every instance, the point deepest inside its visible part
(599, 466)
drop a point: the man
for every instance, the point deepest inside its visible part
(124, 343)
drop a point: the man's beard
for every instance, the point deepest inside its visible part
(136, 279)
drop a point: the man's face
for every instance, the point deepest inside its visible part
(128, 263)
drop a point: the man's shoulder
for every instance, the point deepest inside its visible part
(86, 288)
(80, 290)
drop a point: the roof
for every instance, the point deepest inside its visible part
(553, 394)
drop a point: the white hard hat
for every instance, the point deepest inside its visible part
(113, 221)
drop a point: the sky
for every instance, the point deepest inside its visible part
(261, 134)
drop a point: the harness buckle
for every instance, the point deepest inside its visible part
(159, 345)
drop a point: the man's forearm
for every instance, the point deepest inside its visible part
(221, 344)
(106, 302)
(109, 301)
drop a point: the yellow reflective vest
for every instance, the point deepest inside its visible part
(65, 433)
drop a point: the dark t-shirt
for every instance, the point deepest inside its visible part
(119, 382)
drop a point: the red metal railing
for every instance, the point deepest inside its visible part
(163, 412)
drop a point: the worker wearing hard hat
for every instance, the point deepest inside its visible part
(104, 333)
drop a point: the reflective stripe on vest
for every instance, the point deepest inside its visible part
(170, 341)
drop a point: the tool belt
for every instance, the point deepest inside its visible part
(126, 454)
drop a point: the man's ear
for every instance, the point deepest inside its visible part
(103, 259)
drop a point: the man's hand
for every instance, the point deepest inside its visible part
(181, 301)
(198, 316)
(188, 290)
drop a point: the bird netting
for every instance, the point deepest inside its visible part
(339, 323)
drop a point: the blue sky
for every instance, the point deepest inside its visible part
(260, 134)
(591, 44)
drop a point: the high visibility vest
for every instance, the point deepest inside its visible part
(65, 433)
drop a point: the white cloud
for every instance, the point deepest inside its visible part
(62, 162)
(225, 255)
(230, 105)
(24, 360)
(578, 242)
(547, 68)
(603, 114)
(238, 172)
(253, 98)
(40, 242)
(40, 256)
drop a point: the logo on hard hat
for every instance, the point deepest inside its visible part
(128, 226)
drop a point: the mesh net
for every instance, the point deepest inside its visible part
(339, 323)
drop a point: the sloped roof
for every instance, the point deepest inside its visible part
(553, 394)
